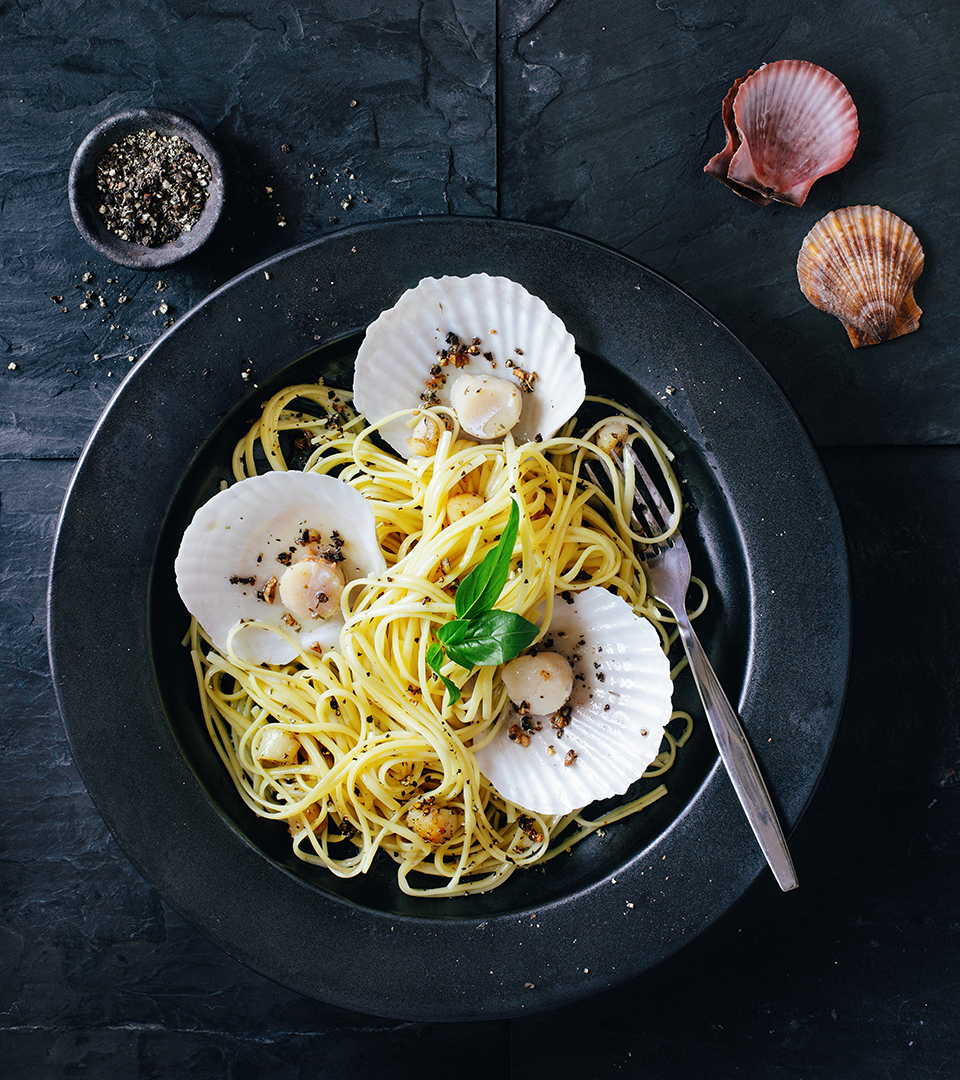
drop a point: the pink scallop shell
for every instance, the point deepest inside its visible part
(788, 124)
(719, 164)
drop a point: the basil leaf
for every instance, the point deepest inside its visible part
(452, 632)
(452, 689)
(435, 660)
(495, 637)
(482, 634)
(481, 588)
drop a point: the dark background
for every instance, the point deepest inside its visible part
(596, 118)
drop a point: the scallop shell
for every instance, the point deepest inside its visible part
(787, 124)
(860, 264)
(719, 164)
(230, 551)
(519, 337)
(620, 704)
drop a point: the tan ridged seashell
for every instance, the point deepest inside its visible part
(787, 124)
(860, 264)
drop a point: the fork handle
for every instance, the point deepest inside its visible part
(738, 757)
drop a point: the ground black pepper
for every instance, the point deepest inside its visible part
(152, 187)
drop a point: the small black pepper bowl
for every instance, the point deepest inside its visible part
(85, 201)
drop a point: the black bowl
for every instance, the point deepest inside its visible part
(85, 200)
(777, 630)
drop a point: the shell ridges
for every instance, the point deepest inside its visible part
(788, 123)
(621, 703)
(242, 537)
(518, 335)
(860, 264)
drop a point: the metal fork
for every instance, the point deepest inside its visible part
(668, 572)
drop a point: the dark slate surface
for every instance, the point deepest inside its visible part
(613, 116)
(598, 119)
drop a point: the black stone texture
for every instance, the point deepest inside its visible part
(597, 119)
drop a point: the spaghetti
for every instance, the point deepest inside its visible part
(360, 750)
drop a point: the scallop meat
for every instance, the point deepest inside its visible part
(612, 725)
(860, 263)
(263, 564)
(483, 346)
(787, 124)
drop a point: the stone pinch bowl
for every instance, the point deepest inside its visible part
(85, 201)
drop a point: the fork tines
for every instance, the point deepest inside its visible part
(646, 496)
(650, 514)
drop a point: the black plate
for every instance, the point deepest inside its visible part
(767, 535)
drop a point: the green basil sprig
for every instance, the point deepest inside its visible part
(482, 634)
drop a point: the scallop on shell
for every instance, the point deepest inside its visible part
(234, 553)
(479, 325)
(788, 123)
(620, 704)
(860, 263)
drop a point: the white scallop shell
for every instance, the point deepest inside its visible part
(621, 703)
(514, 327)
(238, 534)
